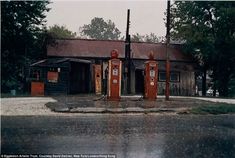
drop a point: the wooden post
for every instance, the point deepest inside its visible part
(167, 92)
(127, 68)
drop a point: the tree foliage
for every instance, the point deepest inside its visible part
(100, 29)
(57, 31)
(209, 32)
(146, 38)
(22, 38)
(137, 38)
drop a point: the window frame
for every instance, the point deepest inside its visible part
(172, 72)
(175, 72)
(160, 75)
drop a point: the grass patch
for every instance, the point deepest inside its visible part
(220, 108)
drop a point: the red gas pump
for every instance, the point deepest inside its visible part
(150, 80)
(114, 76)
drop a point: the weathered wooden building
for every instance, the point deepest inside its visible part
(69, 66)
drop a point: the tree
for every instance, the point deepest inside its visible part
(137, 38)
(232, 86)
(208, 29)
(152, 38)
(146, 38)
(99, 29)
(22, 28)
(57, 31)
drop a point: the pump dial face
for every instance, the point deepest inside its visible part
(115, 72)
(152, 73)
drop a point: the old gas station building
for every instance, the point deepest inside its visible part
(79, 66)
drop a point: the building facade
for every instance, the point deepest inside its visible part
(69, 67)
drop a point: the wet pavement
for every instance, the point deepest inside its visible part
(125, 135)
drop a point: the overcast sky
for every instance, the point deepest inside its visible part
(145, 16)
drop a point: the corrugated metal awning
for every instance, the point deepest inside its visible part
(80, 60)
(58, 61)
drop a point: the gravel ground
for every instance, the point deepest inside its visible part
(26, 106)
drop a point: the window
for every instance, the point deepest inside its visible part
(162, 76)
(52, 76)
(35, 75)
(174, 76)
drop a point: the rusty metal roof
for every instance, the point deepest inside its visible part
(102, 49)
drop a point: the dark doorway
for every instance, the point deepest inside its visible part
(79, 78)
(139, 81)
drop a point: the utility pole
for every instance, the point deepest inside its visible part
(167, 91)
(127, 68)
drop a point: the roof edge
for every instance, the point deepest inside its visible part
(83, 39)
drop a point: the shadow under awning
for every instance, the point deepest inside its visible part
(138, 64)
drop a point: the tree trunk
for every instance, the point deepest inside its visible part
(214, 86)
(204, 82)
(223, 88)
(214, 89)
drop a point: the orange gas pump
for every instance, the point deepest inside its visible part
(114, 77)
(97, 77)
(150, 80)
